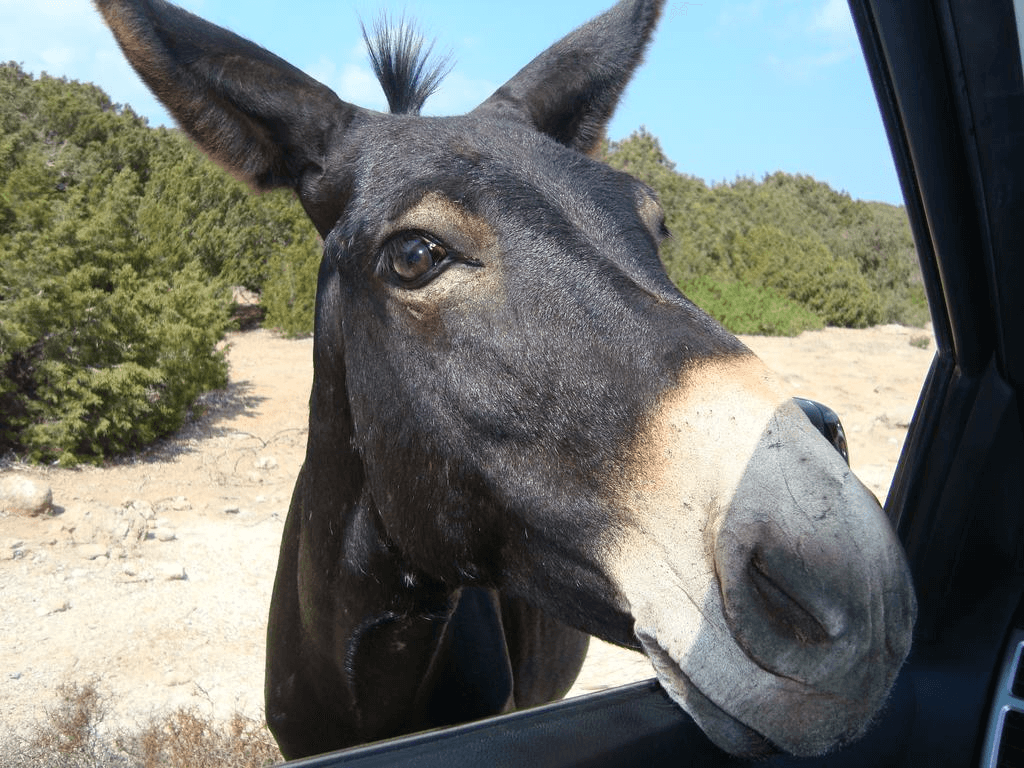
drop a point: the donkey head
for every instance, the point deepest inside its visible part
(510, 391)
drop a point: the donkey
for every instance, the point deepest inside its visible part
(520, 432)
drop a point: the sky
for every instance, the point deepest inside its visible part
(729, 88)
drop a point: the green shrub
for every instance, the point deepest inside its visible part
(748, 309)
(293, 253)
(803, 269)
(100, 359)
(850, 262)
(106, 334)
(117, 244)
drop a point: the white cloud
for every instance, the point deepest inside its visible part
(57, 58)
(818, 38)
(459, 94)
(808, 66)
(352, 82)
(355, 82)
(358, 85)
(48, 35)
(740, 14)
(833, 21)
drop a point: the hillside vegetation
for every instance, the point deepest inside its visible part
(119, 244)
(781, 255)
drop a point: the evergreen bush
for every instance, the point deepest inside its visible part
(848, 262)
(749, 309)
(289, 287)
(106, 338)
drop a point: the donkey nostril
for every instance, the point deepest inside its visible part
(784, 609)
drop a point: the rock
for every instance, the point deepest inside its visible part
(12, 549)
(135, 572)
(143, 508)
(92, 551)
(266, 463)
(893, 420)
(164, 534)
(24, 496)
(171, 571)
(174, 678)
(52, 605)
(180, 504)
(231, 509)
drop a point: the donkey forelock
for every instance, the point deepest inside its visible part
(403, 66)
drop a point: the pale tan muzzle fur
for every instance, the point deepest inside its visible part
(767, 585)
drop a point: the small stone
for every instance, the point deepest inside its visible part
(175, 678)
(893, 420)
(92, 551)
(164, 534)
(171, 572)
(24, 496)
(266, 463)
(232, 509)
(51, 606)
(142, 508)
(180, 504)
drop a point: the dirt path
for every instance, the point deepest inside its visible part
(155, 575)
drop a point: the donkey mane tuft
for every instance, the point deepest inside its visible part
(402, 66)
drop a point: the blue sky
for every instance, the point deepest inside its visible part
(730, 88)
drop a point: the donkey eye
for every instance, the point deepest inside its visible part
(411, 256)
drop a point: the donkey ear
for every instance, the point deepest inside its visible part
(570, 91)
(260, 117)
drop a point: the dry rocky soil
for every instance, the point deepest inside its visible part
(153, 575)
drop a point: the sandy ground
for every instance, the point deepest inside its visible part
(154, 576)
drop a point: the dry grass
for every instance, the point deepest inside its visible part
(72, 736)
(186, 740)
